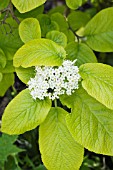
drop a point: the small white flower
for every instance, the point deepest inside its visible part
(52, 82)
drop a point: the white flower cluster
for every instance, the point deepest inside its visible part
(54, 81)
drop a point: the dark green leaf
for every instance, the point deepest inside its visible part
(9, 38)
(7, 81)
(7, 148)
(33, 13)
(4, 4)
(60, 20)
(81, 52)
(9, 68)
(2, 59)
(61, 9)
(46, 24)
(77, 19)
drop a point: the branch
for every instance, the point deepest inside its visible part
(9, 10)
(12, 13)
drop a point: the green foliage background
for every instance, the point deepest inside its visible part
(40, 32)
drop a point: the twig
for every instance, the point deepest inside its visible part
(77, 36)
(12, 13)
(9, 10)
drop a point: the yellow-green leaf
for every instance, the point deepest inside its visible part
(73, 4)
(98, 82)
(29, 29)
(27, 5)
(25, 74)
(81, 52)
(58, 37)
(99, 31)
(39, 52)
(90, 122)
(24, 113)
(59, 150)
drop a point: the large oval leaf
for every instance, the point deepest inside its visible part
(90, 122)
(73, 4)
(39, 52)
(81, 52)
(29, 29)
(99, 31)
(98, 82)
(59, 150)
(27, 5)
(24, 113)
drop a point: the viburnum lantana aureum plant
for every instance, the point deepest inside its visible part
(69, 95)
